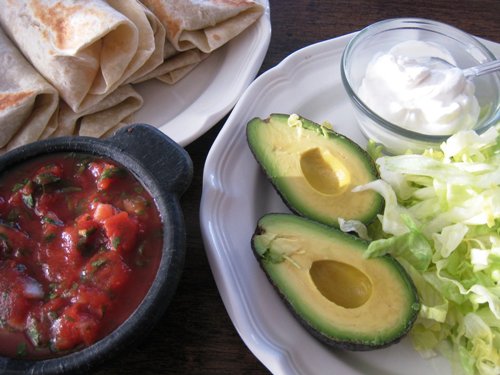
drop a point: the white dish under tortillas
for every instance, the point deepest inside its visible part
(210, 91)
(91, 51)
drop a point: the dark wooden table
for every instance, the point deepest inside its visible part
(196, 336)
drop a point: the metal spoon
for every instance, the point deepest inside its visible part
(479, 70)
(473, 71)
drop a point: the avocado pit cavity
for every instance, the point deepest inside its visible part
(343, 298)
(324, 172)
(341, 283)
(314, 169)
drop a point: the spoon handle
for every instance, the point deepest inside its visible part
(481, 69)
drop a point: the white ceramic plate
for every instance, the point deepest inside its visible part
(236, 194)
(188, 109)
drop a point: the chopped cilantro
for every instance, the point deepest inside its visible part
(82, 166)
(98, 263)
(53, 295)
(49, 220)
(28, 200)
(46, 178)
(86, 232)
(111, 172)
(21, 349)
(49, 237)
(33, 332)
(116, 242)
(19, 185)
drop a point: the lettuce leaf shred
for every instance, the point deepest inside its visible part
(442, 222)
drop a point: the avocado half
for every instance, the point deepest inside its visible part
(341, 297)
(314, 169)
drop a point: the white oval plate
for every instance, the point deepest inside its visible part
(236, 194)
(188, 109)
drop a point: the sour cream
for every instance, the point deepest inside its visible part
(420, 96)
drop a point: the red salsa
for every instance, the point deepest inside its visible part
(80, 244)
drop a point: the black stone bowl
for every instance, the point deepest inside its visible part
(166, 170)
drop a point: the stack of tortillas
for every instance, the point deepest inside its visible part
(68, 67)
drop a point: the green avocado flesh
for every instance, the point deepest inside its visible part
(315, 169)
(341, 297)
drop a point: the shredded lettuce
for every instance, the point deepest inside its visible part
(354, 226)
(442, 222)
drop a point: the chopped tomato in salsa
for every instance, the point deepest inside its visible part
(80, 243)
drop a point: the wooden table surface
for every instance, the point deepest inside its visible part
(196, 336)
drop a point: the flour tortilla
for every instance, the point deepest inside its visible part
(152, 37)
(85, 49)
(114, 111)
(81, 56)
(28, 103)
(176, 66)
(205, 25)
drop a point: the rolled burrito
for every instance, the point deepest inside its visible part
(205, 25)
(176, 65)
(152, 37)
(85, 49)
(28, 103)
(114, 111)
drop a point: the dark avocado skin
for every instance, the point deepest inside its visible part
(356, 151)
(351, 344)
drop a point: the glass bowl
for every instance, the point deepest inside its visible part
(380, 37)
